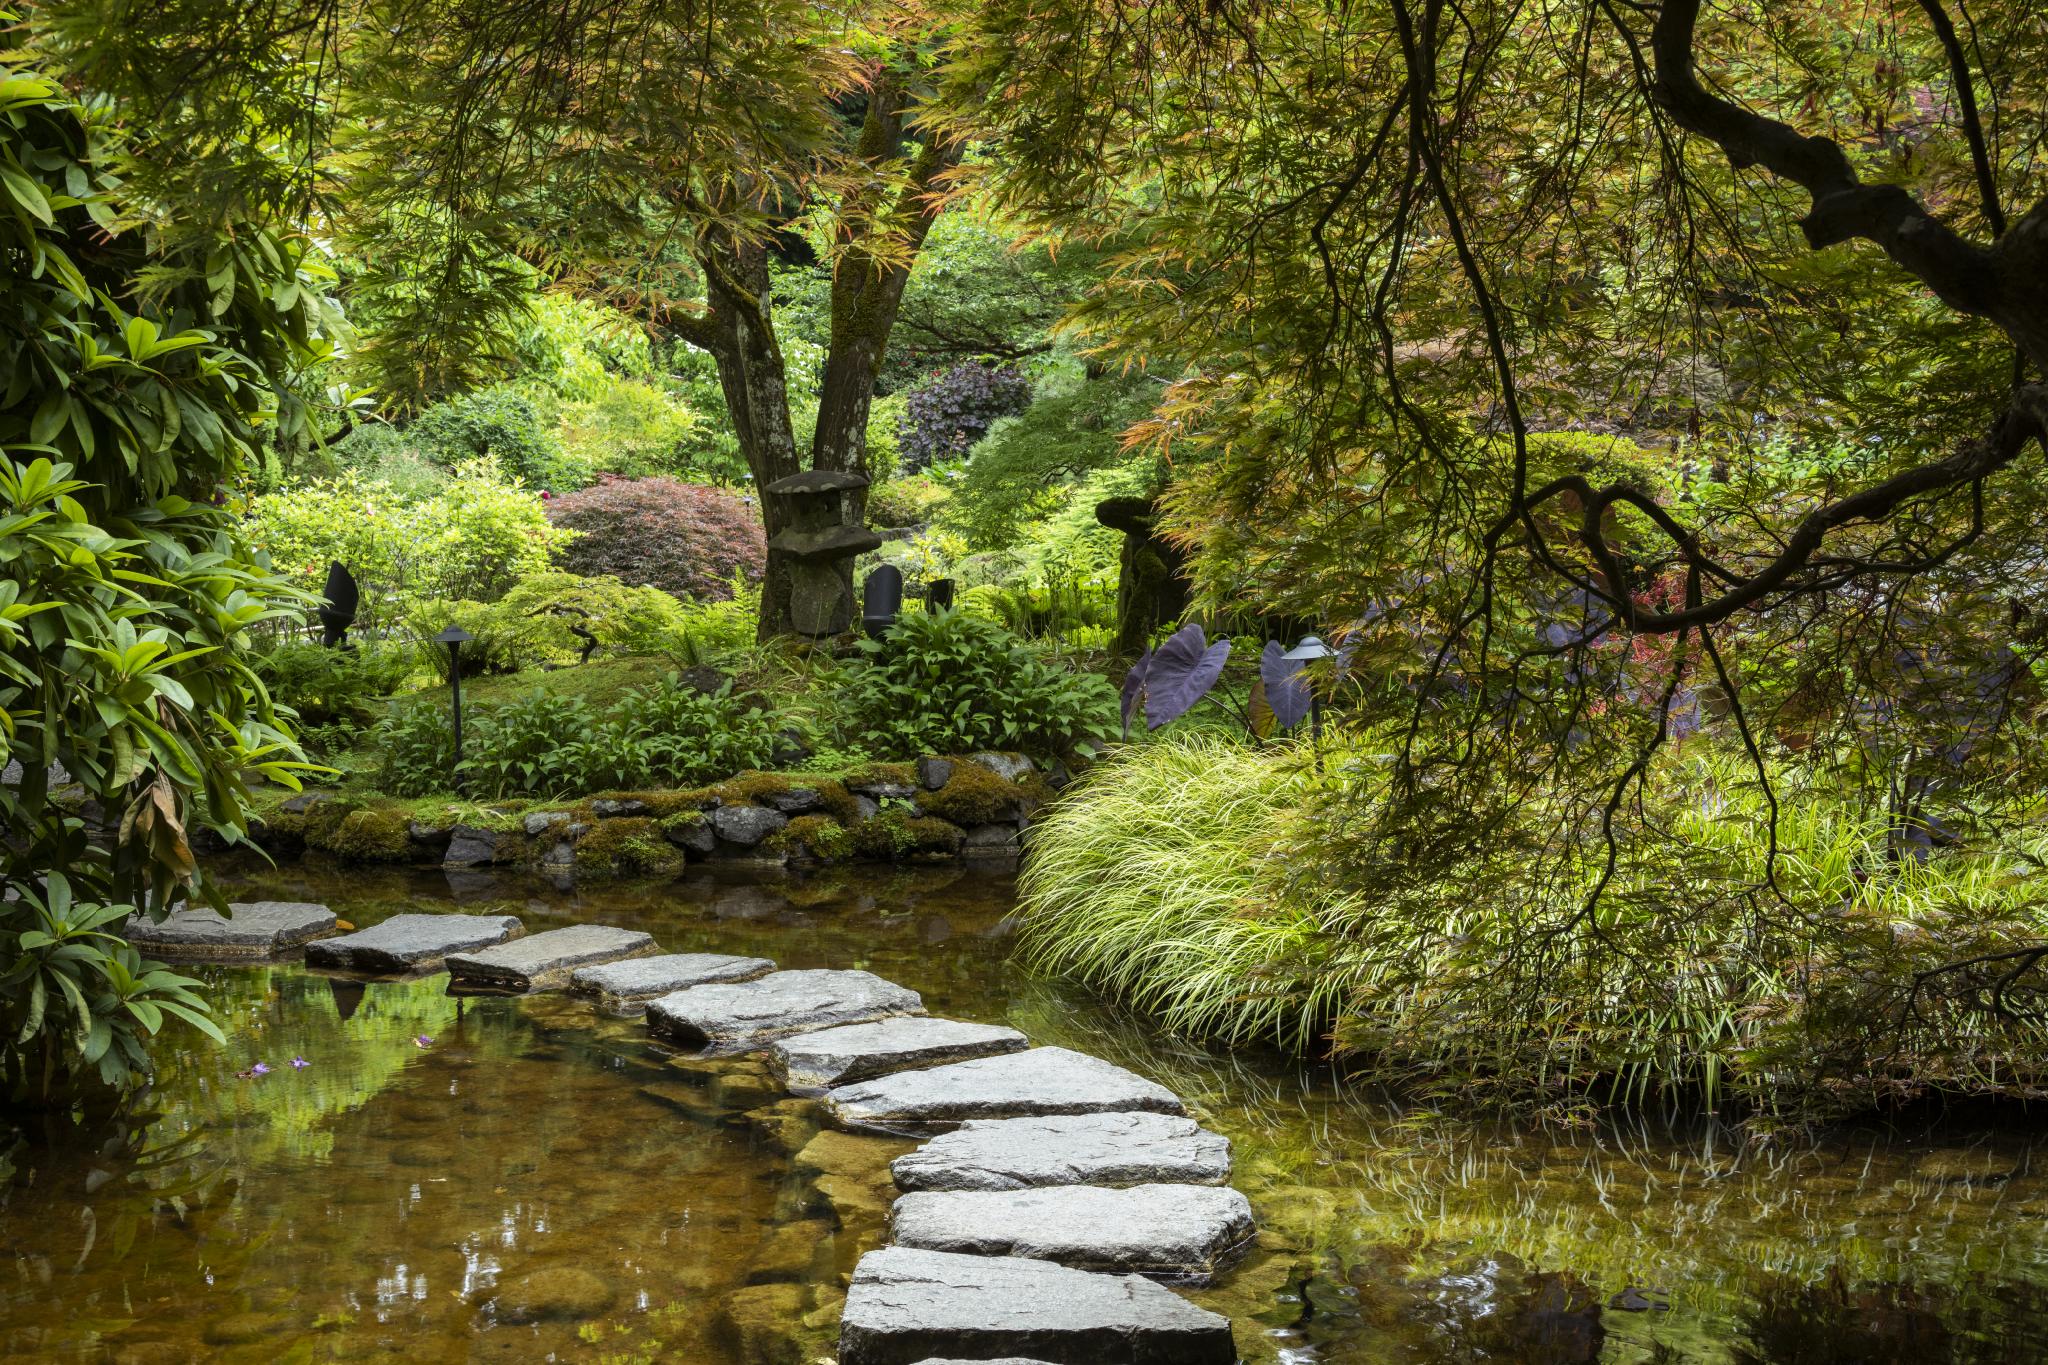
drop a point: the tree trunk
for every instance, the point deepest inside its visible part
(738, 329)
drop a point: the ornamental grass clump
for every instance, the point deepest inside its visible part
(1225, 890)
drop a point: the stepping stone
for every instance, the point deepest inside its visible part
(626, 987)
(539, 961)
(410, 943)
(1180, 1230)
(811, 1062)
(1006, 1360)
(256, 930)
(738, 1016)
(907, 1306)
(1045, 1080)
(1075, 1149)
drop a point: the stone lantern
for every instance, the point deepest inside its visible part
(820, 544)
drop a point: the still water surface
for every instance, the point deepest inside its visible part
(520, 1179)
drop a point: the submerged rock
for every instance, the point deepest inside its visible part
(555, 1294)
(1043, 1081)
(858, 1052)
(741, 1015)
(1182, 1230)
(410, 942)
(1966, 1166)
(1075, 1149)
(257, 929)
(907, 1306)
(541, 960)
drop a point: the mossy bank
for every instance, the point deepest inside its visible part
(940, 807)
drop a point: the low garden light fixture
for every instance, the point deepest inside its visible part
(455, 637)
(1306, 651)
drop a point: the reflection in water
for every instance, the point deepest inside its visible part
(538, 1181)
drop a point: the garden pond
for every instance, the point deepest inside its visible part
(378, 1171)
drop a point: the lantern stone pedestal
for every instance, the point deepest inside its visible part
(1151, 584)
(821, 544)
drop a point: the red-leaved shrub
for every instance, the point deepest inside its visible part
(683, 538)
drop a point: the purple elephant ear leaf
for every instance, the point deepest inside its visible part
(1286, 686)
(1183, 670)
(1134, 687)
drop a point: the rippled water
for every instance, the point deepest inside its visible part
(536, 1182)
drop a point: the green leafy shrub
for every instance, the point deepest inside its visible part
(667, 735)
(418, 743)
(473, 540)
(683, 538)
(501, 424)
(911, 500)
(126, 595)
(75, 993)
(323, 686)
(550, 618)
(630, 428)
(950, 682)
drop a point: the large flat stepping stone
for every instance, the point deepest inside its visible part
(1045, 1080)
(410, 943)
(626, 987)
(907, 1306)
(539, 961)
(251, 931)
(1072, 1149)
(738, 1016)
(811, 1062)
(1180, 1230)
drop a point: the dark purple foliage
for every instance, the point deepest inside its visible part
(1181, 673)
(1287, 691)
(944, 416)
(1134, 687)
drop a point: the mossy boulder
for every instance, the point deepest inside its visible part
(630, 846)
(811, 836)
(899, 834)
(973, 795)
(374, 836)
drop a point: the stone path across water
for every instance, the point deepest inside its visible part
(1043, 1081)
(1187, 1231)
(750, 1014)
(252, 932)
(411, 943)
(905, 1304)
(626, 987)
(1052, 1173)
(1068, 1149)
(812, 1062)
(539, 961)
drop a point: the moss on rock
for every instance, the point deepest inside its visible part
(630, 845)
(898, 834)
(373, 836)
(975, 796)
(814, 836)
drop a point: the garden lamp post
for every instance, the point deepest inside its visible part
(455, 637)
(1306, 650)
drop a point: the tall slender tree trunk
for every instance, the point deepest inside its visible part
(738, 329)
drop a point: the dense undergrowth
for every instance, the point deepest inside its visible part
(1213, 885)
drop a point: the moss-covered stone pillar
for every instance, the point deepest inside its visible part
(1152, 586)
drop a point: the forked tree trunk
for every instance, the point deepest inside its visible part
(738, 329)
